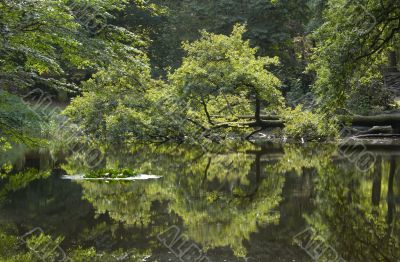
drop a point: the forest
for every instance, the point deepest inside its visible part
(241, 108)
(125, 71)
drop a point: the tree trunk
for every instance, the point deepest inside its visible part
(392, 61)
(257, 115)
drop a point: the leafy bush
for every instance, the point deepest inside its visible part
(307, 125)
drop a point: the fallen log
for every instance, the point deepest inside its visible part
(374, 136)
(376, 120)
(262, 123)
(262, 117)
(392, 120)
(377, 130)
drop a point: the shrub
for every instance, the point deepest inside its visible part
(307, 125)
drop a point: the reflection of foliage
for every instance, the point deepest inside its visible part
(126, 202)
(212, 192)
(353, 218)
(14, 182)
(218, 198)
(90, 254)
(222, 218)
(12, 249)
(227, 168)
(310, 156)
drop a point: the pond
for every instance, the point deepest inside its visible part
(231, 202)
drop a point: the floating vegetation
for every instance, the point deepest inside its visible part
(111, 173)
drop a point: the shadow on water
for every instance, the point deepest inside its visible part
(234, 202)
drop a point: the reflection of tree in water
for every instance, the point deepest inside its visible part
(300, 158)
(17, 170)
(13, 182)
(221, 196)
(229, 206)
(33, 198)
(126, 202)
(219, 199)
(42, 248)
(356, 212)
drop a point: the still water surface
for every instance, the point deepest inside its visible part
(236, 202)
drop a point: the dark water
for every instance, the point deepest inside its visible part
(234, 202)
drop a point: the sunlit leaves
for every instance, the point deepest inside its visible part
(225, 68)
(352, 46)
(58, 37)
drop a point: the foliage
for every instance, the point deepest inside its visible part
(272, 26)
(307, 125)
(352, 46)
(124, 103)
(18, 122)
(222, 69)
(45, 42)
(54, 45)
(108, 51)
(370, 98)
(4, 145)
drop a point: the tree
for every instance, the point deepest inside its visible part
(56, 44)
(221, 75)
(272, 26)
(123, 102)
(352, 46)
(47, 41)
